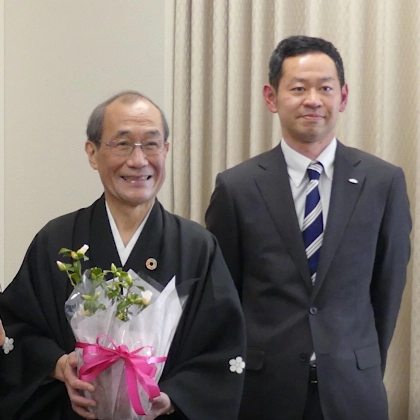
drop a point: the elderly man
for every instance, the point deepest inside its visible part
(316, 236)
(127, 144)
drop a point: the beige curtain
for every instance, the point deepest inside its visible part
(221, 54)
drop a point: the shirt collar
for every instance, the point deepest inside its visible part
(297, 164)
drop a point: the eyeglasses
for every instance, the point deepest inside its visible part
(122, 147)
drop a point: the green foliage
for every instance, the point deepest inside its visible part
(119, 291)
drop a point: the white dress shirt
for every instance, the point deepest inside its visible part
(297, 166)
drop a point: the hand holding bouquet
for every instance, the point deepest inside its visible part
(124, 327)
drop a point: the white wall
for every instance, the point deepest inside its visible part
(61, 59)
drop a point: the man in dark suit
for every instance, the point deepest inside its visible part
(316, 236)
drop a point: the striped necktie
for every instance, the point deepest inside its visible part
(313, 226)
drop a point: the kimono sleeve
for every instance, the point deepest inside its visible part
(32, 315)
(205, 374)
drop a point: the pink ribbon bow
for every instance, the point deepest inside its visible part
(137, 367)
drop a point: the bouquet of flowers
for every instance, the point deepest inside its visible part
(124, 327)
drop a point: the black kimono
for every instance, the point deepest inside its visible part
(211, 331)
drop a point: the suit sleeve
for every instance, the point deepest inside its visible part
(221, 220)
(392, 256)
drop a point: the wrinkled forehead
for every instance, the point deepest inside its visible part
(121, 114)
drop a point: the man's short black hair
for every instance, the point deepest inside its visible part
(96, 119)
(300, 45)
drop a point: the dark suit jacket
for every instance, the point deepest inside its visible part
(348, 316)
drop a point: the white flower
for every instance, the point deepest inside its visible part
(61, 266)
(83, 249)
(80, 253)
(146, 296)
(237, 365)
(8, 345)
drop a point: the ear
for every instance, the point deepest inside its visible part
(270, 97)
(165, 149)
(344, 97)
(92, 151)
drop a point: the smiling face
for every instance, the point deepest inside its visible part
(308, 99)
(129, 181)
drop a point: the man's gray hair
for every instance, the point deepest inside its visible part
(96, 120)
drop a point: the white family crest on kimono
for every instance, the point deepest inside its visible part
(237, 365)
(8, 345)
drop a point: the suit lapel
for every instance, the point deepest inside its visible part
(274, 186)
(345, 191)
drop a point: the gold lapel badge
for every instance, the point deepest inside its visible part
(151, 264)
